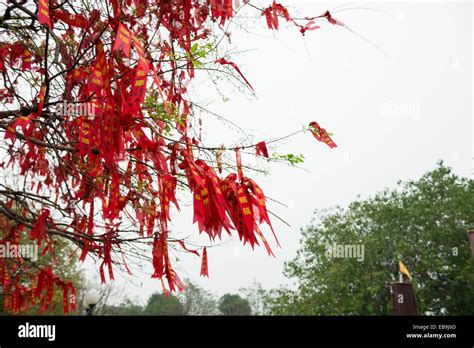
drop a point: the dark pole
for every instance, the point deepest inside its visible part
(470, 234)
(90, 310)
(404, 299)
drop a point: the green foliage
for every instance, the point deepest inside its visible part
(234, 305)
(290, 158)
(158, 112)
(424, 223)
(257, 297)
(125, 308)
(193, 301)
(197, 301)
(160, 304)
(199, 52)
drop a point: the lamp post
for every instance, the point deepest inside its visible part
(91, 300)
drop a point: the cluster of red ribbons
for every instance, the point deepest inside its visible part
(16, 54)
(272, 13)
(236, 197)
(24, 287)
(275, 11)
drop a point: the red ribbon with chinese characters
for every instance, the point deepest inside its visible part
(321, 135)
(204, 264)
(43, 13)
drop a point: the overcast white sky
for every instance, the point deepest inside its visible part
(394, 114)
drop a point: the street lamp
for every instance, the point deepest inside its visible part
(91, 300)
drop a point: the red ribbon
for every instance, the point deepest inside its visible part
(204, 264)
(43, 13)
(239, 163)
(73, 20)
(223, 61)
(123, 40)
(321, 135)
(261, 149)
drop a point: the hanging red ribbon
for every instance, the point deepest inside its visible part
(43, 13)
(311, 25)
(261, 149)
(239, 163)
(321, 135)
(332, 20)
(123, 40)
(204, 264)
(24, 122)
(223, 61)
(38, 232)
(272, 13)
(72, 19)
(187, 249)
(41, 98)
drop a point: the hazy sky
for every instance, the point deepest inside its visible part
(394, 112)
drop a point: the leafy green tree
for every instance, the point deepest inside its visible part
(127, 307)
(198, 301)
(160, 304)
(257, 298)
(234, 305)
(423, 222)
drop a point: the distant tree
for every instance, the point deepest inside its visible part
(160, 304)
(234, 305)
(257, 298)
(127, 307)
(113, 300)
(198, 301)
(422, 222)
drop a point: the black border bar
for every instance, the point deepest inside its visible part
(222, 330)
